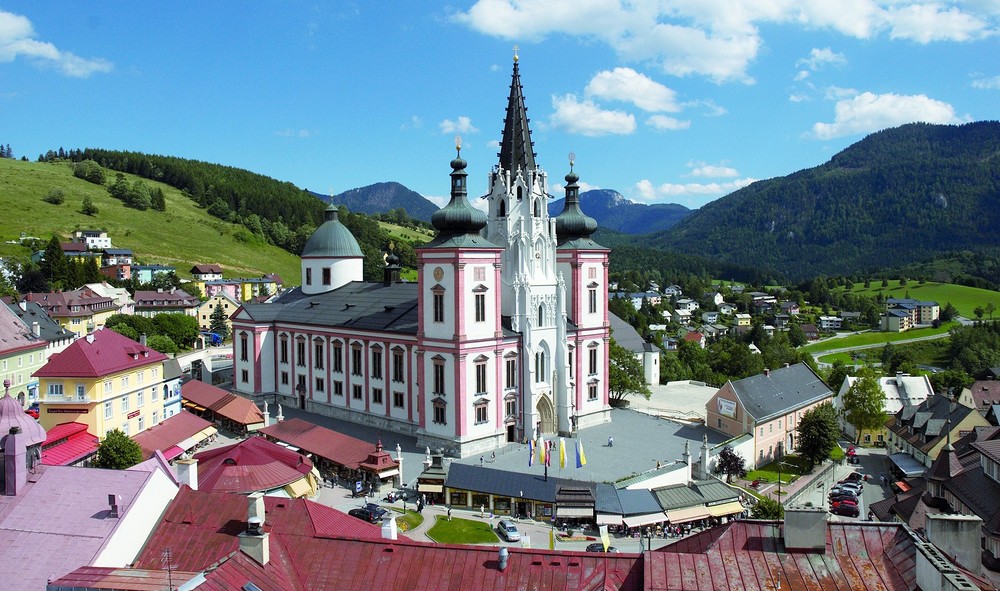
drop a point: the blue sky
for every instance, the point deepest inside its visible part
(671, 101)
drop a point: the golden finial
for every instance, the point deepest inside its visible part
(458, 144)
(572, 159)
(515, 52)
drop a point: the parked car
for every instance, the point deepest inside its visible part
(599, 547)
(508, 531)
(853, 477)
(32, 410)
(848, 510)
(855, 486)
(844, 495)
(840, 502)
(371, 513)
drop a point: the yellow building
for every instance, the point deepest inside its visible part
(219, 300)
(105, 381)
(79, 311)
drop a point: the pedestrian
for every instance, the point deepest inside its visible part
(611, 441)
(423, 499)
(481, 461)
(494, 456)
(482, 511)
(449, 512)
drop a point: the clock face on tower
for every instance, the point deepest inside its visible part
(438, 273)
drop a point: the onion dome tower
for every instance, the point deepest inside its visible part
(331, 257)
(459, 224)
(573, 227)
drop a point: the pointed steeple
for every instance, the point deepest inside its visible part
(516, 147)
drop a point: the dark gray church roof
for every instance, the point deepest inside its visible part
(332, 239)
(628, 337)
(359, 305)
(516, 146)
(779, 391)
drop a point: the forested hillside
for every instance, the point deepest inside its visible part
(614, 212)
(896, 197)
(382, 198)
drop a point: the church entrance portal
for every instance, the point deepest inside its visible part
(546, 418)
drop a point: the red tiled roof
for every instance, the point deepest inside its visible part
(169, 433)
(200, 527)
(60, 303)
(113, 578)
(78, 444)
(223, 403)
(101, 353)
(152, 299)
(743, 555)
(331, 445)
(254, 464)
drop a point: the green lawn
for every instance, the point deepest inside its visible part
(923, 353)
(408, 520)
(875, 338)
(461, 531)
(965, 299)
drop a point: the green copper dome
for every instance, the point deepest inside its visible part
(572, 223)
(332, 239)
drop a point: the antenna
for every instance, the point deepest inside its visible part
(168, 565)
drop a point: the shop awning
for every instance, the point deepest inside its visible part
(172, 452)
(298, 488)
(206, 433)
(688, 514)
(729, 508)
(574, 512)
(194, 406)
(190, 442)
(430, 488)
(902, 486)
(388, 473)
(609, 519)
(907, 465)
(644, 519)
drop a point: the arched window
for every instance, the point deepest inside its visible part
(538, 208)
(503, 208)
(541, 315)
(519, 193)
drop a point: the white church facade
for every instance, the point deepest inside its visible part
(504, 335)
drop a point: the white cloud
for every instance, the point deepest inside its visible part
(820, 58)
(798, 98)
(801, 75)
(665, 123)
(868, 112)
(559, 189)
(17, 40)
(704, 169)
(987, 83)
(924, 23)
(442, 200)
(415, 122)
(645, 191)
(834, 93)
(721, 39)
(586, 118)
(462, 125)
(627, 85)
(711, 108)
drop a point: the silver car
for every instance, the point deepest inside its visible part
(508, 531)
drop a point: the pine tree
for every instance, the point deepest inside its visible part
(54, 266)
(220, 322)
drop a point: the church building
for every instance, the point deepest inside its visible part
(503, 337)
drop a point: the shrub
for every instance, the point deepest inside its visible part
(55, 197)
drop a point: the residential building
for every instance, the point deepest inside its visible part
(208, 307)
(900, 390)
(75, 250)
(682, 317)
(896, 321)
(693, 336)
(743, 320)
(830, 322)
(122, 298)
(710, 317)
(810, 330)
(790, 308)
(726, 309)
(672, 291)
(715, 297)
(122, 272)
(686, 304)
(985, 395)
(144, 274)
(80, 311)
(768, 406)
(496, 342)
(206, 272)
(165, 301)
(116, 256)
(920, 312)
(647, 353)
(780, 321)
(106, 381)
(922, 430)
(242, 290)
(93, 239)
(22, 352)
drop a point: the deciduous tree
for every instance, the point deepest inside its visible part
(767, 508)
(817, 432)
(731, 464)
(626, 375)
(864, 402)
(117, 451)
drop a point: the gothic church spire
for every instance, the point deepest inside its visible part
(516, 147)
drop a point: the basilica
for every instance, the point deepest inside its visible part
(504, 336)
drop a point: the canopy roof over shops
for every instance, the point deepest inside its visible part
(907, 465)
(174, 435)
(337, 448)
(206, 398)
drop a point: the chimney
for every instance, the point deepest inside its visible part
(23, 305)
(389, 526)
(187, 471)
(142, 339)
(805, 529)
(502, 559)
(15, 462)
(958, 537)
(36, 329)
(767, 372)
(254, 541)
(113, 504)
(90, 337)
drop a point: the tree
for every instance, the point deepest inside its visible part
(767, 508)
(117, 451)
(219, 322)
(990, 309)
(731, 464)
(948, 312)
(88, 206)
(979, 311)
(796, 336)
(55, 197)
(54, 265)
(817, 433)
(162, 343)
(119, 189)
(864, 402)
(183, 329)
(89, 170)
(626, 375)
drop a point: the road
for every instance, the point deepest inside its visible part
(817, 354)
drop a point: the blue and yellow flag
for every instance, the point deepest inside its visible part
(581, 458)
(562, 452)
(531, 453)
